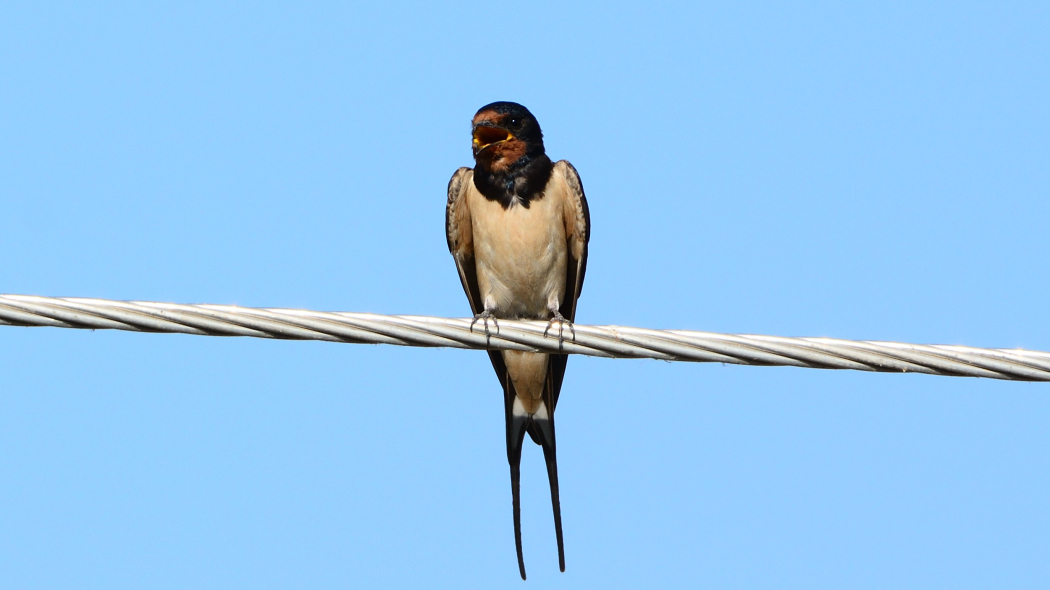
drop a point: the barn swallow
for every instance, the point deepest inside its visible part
(518, 227)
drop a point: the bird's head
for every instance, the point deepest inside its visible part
(506, 136)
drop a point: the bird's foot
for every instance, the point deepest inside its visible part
(562, 322)
(484, 318)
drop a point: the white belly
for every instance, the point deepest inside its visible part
(520, 256)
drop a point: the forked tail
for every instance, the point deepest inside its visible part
(541, 430)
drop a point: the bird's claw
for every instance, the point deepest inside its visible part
(562, 322)
(484, 317)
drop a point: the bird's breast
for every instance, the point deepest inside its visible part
(520, 253)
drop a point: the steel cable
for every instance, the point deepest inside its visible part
(603, 341)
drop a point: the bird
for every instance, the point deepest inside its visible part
(518, 228)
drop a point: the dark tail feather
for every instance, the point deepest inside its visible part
(516, 436)
(542, 433)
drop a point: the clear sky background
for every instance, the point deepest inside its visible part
(867, 171)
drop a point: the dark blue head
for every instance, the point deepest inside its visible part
(504, 132)
(510, 161)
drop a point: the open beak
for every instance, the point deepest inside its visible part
(485, 136)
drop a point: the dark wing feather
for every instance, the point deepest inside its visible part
(460, 236)
(578, 235)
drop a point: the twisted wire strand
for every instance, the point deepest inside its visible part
(602, 341)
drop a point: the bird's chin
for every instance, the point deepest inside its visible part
(487, 153)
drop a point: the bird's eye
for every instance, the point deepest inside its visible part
(515, 122)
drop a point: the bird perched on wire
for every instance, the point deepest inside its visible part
(518, 226)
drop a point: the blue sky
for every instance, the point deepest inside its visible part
(864, 171)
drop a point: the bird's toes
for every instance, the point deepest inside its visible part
(484, 318)
(562, 323)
